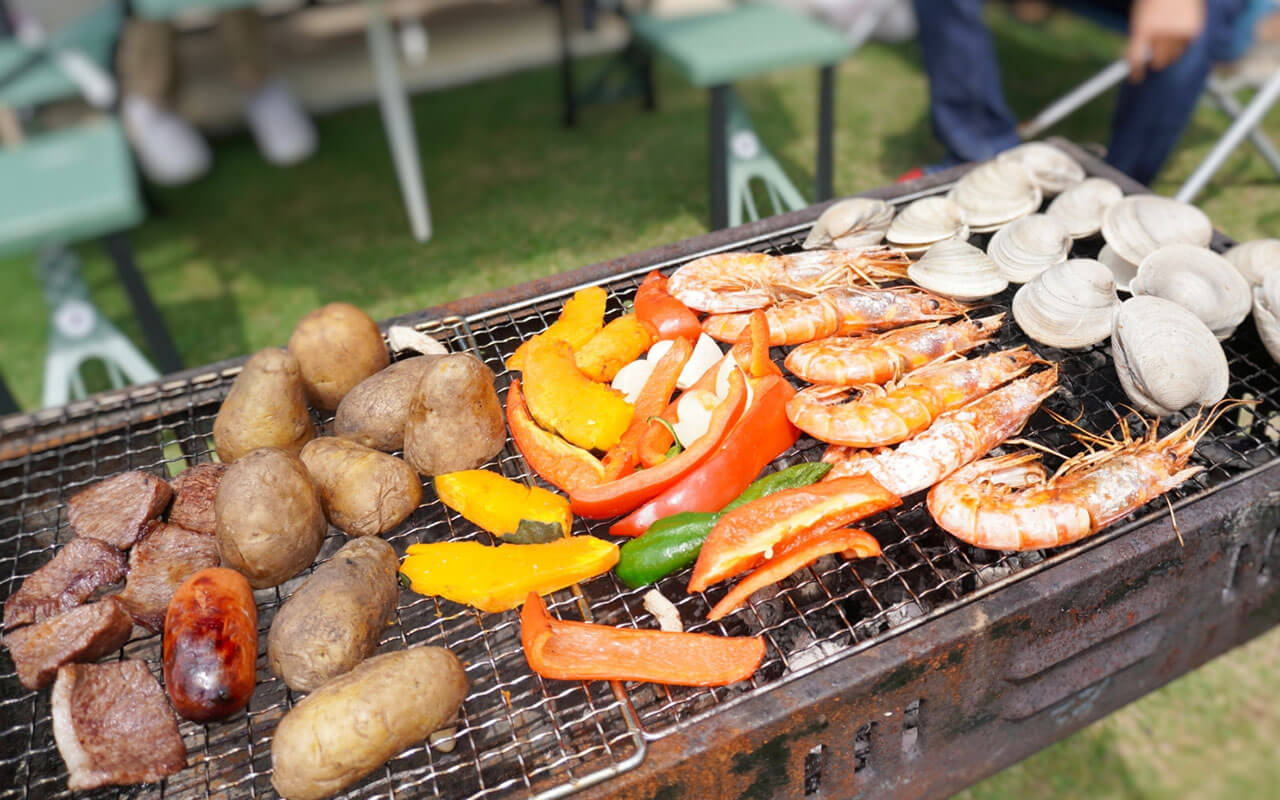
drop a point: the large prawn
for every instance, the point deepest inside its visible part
(954, 439)
(888, 415)
(724, 283)
(839, 312)
(1007, 503)
(876, 358)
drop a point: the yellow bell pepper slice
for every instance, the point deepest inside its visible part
(581, 318)
(500, 578)
(497, 504)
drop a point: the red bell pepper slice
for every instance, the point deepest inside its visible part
(582, 651)
(626, 494)
(671, 318)
(761, 435)
(566, 466)
(798, 553)
(741, 538)
(657, 438)
(652, 400)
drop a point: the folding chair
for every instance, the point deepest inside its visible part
(1221, 92)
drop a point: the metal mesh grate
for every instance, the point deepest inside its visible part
(517, 733)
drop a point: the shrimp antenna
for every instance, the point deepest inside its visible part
(1040, 447)
(1216, 411)
(1173, 518)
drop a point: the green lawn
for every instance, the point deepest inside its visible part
(237, 258)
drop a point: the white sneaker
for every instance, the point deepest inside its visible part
(281, 128)
(170, 151)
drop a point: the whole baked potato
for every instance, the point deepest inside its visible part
(266, 407)
(337, 346)
(374, 412)
(333, 621)
(455, 420)
(363, 492)
(269, 521)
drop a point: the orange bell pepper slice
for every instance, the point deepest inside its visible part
(653, 398)
(669, 316)
(752, 349)
(563, 465)
(742, 538)
(796, 554)
(582, 651)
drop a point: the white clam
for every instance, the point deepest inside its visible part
(1082, 207)
(1121, 271)
(1200, 281)
(851, 224)
(1166, 358)
(1255, 259)
(1052, 170)
(1026, 247)
(996, 193)
(1070, 305)
(925, 222)
(1136, 226)
(958, 270)
(1266, 312)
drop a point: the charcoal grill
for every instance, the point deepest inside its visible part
(912, 674)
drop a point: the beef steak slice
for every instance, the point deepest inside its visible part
(118, 509)
(158, 564)
(79, 569)
(86, 633)
(193, 494)
(113, 725)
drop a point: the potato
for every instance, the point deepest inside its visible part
(266, 407)
(350, 726)
(333, 621)
(373, 414)
(337, 346)
(455, 420)
(363, 492)
(269, 520)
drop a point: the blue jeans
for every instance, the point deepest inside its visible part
(970, 116)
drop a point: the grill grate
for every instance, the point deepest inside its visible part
(518, 733)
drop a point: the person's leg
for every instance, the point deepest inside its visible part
(966, 100)
(146, 62)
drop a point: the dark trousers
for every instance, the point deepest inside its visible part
(968, 109)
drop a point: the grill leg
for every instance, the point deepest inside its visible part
(826, 115)
(566, 66)
(153, 327)
(7, 404)
(718, 131)
(1247, 121)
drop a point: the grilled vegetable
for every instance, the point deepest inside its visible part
(266, 407)
(669, 317)
(616, 345)
(211, 645)
(337, 347)
(650, 401)
(565, 466)
(580, 319)
(375, 411)
(363, 491)
(499, 505)
(530, 531)
(455, 419)
(591, 415)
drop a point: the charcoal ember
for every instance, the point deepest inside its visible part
(158, 564)
(113, 725)
(118, 509)
(85, 633)
(805, 651)
(75, 572)
(193, 494)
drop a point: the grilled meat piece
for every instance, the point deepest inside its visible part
(158, 564)
(86, 633)
(193, 494)
(76, 571)
(114, 726)
(118, 509)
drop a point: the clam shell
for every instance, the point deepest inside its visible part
(1081, 207)
(1026, 247)
(1166, 358)
(1255, 259)
(1122, 271)
(1137, 225)
(1266, 312)
(851, 224)
(1200, 281)
(1070, 305)
(925, 222)
(996, 193)
(958, 270)
(1051, 169)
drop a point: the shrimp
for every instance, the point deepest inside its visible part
(859, 360)
(839, 312)
(954, 439)
(724, 283)
(890, 414)
(1007, 503)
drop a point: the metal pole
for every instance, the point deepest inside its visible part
(826, 117)
(718, 133)
(1077, 97)
(1247, 121)
(1230, 106)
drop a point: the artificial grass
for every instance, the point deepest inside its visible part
(235, 259)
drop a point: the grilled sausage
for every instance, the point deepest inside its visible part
(211, 645)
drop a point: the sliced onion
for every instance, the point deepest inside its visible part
(631, 378)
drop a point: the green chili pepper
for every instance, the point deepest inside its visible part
(674, 542)
(531, 531)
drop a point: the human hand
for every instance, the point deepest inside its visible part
(1159, 32)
